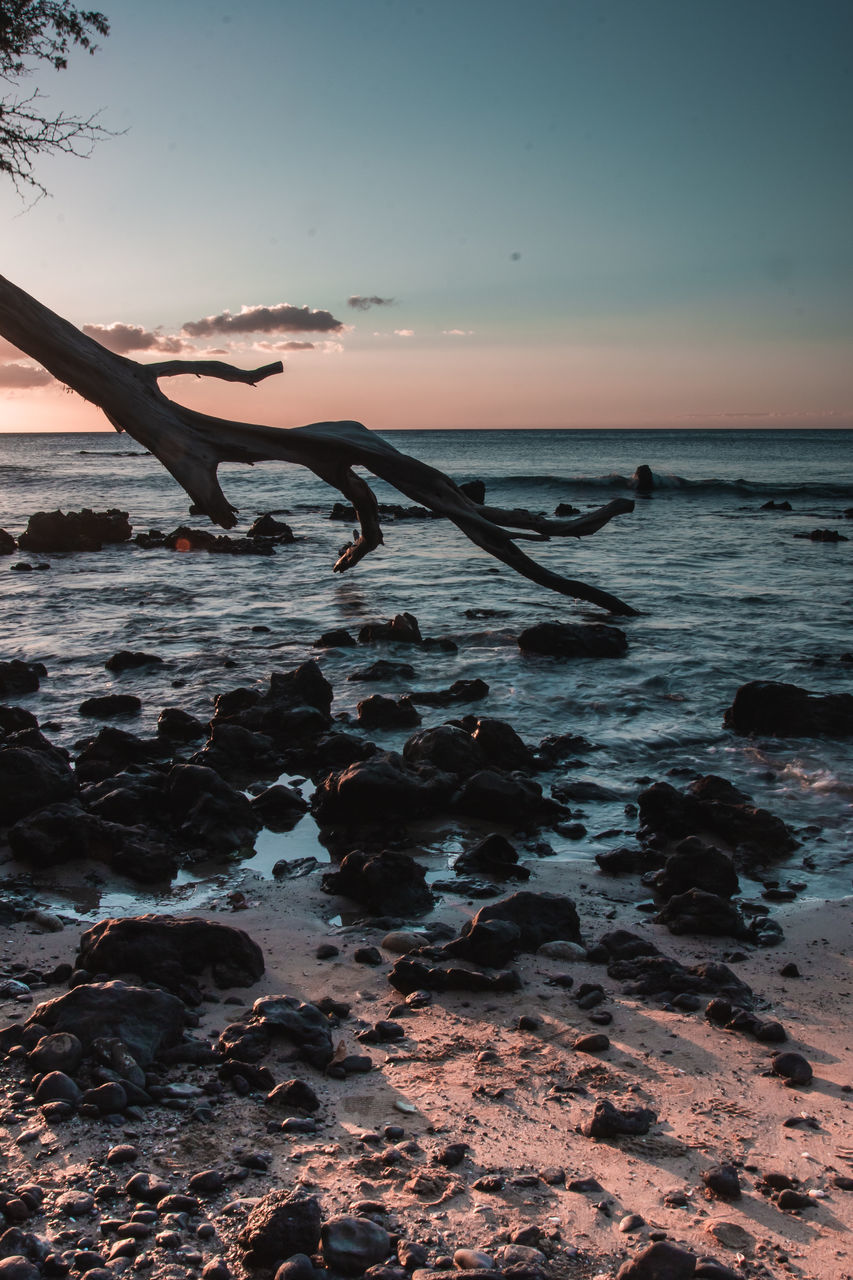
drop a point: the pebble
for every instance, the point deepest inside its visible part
(75, 1204)
(124, 1153)
(207, 1182)
(596, 1042)
(722, 1182)
(367, 955)
(473, 1260)
(631, 1222)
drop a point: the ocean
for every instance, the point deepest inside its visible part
(725, 592)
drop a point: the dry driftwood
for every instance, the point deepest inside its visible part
(191, 445)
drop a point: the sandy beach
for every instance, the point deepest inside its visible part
(499, 1073)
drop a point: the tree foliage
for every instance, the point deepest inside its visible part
(35, 33)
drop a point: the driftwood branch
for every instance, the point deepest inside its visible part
(191, 445)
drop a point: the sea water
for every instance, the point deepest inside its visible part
(725, 592)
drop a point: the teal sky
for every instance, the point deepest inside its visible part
(613, 212)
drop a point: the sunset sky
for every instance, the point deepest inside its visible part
(459, 213)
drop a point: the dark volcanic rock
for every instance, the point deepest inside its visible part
(608, 1121)
(491, 856)
(711, 804)
(410, 973)
(7, 543)
(302, 1023)
(699, 912)
(111, 751)
(209, 812)
(378, 712)
(164, 949)
(179, 726)
(787, 711)
(31, 780)
(15, 719)
(459, 691)
(279, 807)
(129, 659)
(721, 1181)
(696, 865)
(539, 917)
(489, 942)
(266, 526)
(403, 629)
(75, 531)
(111, 704)
(512, 798)
(377, 790)
(501, 745)
(448, 748)
(573, 640)
(338, 639)
(384, 669)
(281, 1224)
(20, 677)
(793, 1067)
(389, 883)
(59, 833)
(144, 1019)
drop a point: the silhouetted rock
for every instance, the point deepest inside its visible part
(539, 917)
(279, 807)
(179, 726)
(377, 790)
(696, 865)
(402, 629)
(75, 531)
(59, 833)
(448, 748)
(111, 751)
(787, 711)
(475, 490)
(490, 942)
(18, 677)
(492, 856)
(208, 812)
(266, 526)
(501, 797)
(411, 973)
(712, 804)
(384, 669)
(609, 1121)
(111, 704)
(129, 659)
(573, 640)
(338, 639)
(823, 535)
(459, 691)
(377, 712)
(8, 545)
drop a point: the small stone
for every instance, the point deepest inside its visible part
(368, 955)
(722, 1182)
(472, 1260)
(730, 1235)
(297, 1267)
(208, 1182)
(596, 1042)
(75, 1204)
(351, 1245)
(326, 951)
(631, 1222)
(124, 1153)
(792, 1200)
(793, 1067)
(451, 1155)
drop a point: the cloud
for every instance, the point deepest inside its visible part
(457, 333)
(362, 303)
(121, 338)
(286, 346)
(405, 333)
(17, 376)
(281, 318)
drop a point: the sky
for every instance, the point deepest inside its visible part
(458, 213)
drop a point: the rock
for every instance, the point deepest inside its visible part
(60, 1052)
(75, 1204)
(660, 1261)
(492, 856)
(401, 941)
(112, 750)
(75, 531)
(32, 780)
(721, 1182)
(596, 1042)
(730, 1235)
(377, 790)
(8, 545)
(280, 1225)
(17, 1267)
(573, 640)
(144, 1019)
(208, 812)
(698, 912)
(389, 883)
(490, 942)
(608, 1121)
(294, 1095)
(472, 1260)
(459, 691)
(165, 949)
(302, 1023)
(787, 711)
(146, 1186)
(793, 1068)
(280, 807)
(475, 490)
(793, 1201)
(129, 660)
(403, 629)
(351, 1245)
(561, 949)
(111, 704)
(377, 712)
(383, 669)
(178, 726)
(266, 526)
(413, 975)
(298, 1267)
(495, 796)
(539, 917)
(631, 1222)
(56, 1086)
(501, 745)
(696, 865)
(60, 833)
(446, 747)
(712, 804)
(18, 677)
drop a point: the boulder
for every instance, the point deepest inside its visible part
(490, 942)
(146, 1020)
(129, 660)
(111, 751)
(459, 691)
(501, 745)
(111, 704)
(178, 726)
(266, 526)
(281, 1224)
(512, 798)
(609, 1121)
(164, 949)
(58, 833)
(208, 811)
(659, 1261)
(389, 883)
(32, 779)
(403, 629)
(539, 917)
(787, 711)
(411, 973)
(448, 748)
(351, 1245)
(698, 912)
(696, 865)
(75, 531)
(491, 856)
(573, 640)
(280, 807)
(306, 1026)
(712, 805)
(8, 545)
(377, 712)
(377, 790)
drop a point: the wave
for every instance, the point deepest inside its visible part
(664, 481)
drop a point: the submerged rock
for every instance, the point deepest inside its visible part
(574, 640)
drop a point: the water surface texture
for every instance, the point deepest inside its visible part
(726, 594)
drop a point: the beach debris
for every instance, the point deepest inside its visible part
(786, 711)
(573, 640)
(84, 530)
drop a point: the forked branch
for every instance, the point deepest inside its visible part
(191, 445)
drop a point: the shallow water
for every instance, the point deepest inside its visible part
(726, 594)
